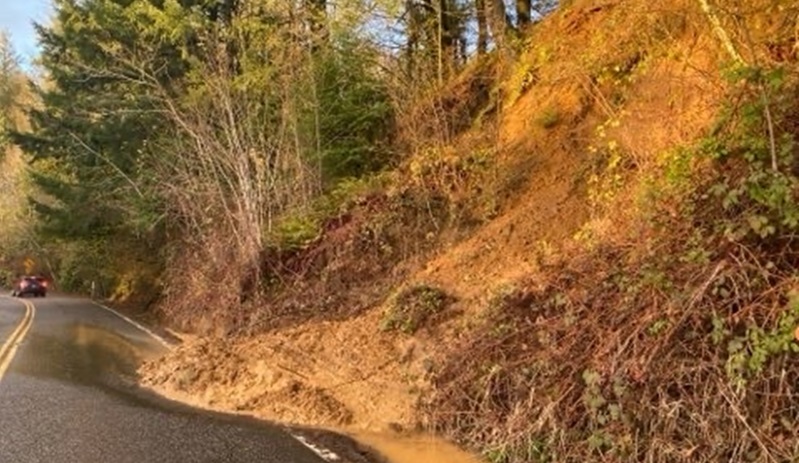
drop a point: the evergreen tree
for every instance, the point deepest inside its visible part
(99, 119)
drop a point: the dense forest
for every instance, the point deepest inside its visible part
(170, 133)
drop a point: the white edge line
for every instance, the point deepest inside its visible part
(138, 325)
(326, 455)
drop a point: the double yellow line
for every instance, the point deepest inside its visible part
(9, 348)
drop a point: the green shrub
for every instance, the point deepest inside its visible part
(355, 118)
(750, 353)
(412, 307)
(549, 118)
(759, 199)
(296, 230)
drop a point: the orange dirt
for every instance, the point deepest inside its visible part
(347, 374)
(335, 374)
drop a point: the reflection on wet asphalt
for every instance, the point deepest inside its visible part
(86, 355)
(69, 397)
(10, 318)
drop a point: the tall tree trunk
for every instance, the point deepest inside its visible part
(317, 21)
(482, 27)
(499, 22)
(447, 30)
(413, 36)
(429, 19)
(433, 34)
(523, 12)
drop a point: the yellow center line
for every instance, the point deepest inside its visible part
(9, 348)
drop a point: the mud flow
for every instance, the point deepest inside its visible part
(414, 449)
(91, 356)
(84, 355)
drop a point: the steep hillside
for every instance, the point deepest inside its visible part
(599, 267)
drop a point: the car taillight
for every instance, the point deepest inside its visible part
(24, 284)
(44, 283)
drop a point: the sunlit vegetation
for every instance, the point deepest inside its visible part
(239, 165)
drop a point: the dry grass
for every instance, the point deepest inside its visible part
(608, 357)
(657, 339)
(350, 267)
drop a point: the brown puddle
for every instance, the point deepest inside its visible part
(414, 449)
(87, 355)
(93, 356)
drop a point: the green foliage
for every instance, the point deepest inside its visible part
(602, 408)
(719, 332)
(463, 181)
(610, 163)
(658, 327)
(9, 70)
(536, 451)
(549, 118)
(133, 85)
(83, 262)
(761, 199)
(593, 399)
(667, 194)
(749, 354)
(354, 113)
(696, 252)
(296, 230)
(15, 228)
(497, 455)
(98, 119)
(603, 403)
(7, 277)
(412, 307)
(350, 191)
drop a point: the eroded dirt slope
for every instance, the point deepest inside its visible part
(349, 374)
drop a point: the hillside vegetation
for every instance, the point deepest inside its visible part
(563, 237)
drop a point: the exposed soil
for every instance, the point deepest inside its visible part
(348, 374)
(345, 373)
(348, 377)
(333, 374)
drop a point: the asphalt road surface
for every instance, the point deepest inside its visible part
(64, 397)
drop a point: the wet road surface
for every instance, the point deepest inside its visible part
(67, 397)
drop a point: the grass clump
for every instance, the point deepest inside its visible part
(549, 118)
(412, 307)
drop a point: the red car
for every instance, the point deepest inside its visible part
(30, 285)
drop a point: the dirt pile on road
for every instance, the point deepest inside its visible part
(344, 374)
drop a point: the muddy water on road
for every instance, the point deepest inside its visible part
(82, 354)
(92, 356)
(87, 355)
(415, 449)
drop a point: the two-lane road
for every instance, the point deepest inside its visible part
(63, 397)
